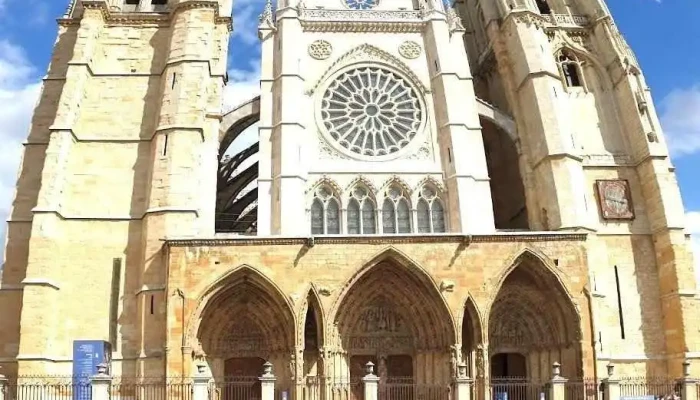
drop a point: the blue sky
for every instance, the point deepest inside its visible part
(664, 34)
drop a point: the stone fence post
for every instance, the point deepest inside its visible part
(200, 384)
(688, 384)
(611, 384)
(463, 383)
(267, 383)
(557, 388)
(100, 384)
(371, 383)
(3, 387)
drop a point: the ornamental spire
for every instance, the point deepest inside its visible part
(266, 17)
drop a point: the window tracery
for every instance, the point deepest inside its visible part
(371, 112)
(430, 212)
(396, 212)
(361, 213)
(570, 68)
(325, 212)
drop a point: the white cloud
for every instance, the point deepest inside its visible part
(243, 85)
(19, 91)
(681, 120)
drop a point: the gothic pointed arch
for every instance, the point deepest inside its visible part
(532, 315)
(472, 339)
(312, 307)
(369, 53)
(243, 314)
(375, 314)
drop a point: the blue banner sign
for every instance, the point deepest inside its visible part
(87, 355)
(501, 396)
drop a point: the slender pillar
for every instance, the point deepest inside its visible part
(611, 385)
(100, 384)
(371, 383)
(267, 383)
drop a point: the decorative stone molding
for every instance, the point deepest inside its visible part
(320, 20)
(447, 286)
(394, 239)
(410, 50)
(138, 18)
(320, 49)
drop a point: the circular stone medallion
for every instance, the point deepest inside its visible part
(410, 49)
(320, 49)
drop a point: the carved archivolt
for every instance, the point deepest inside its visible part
(371, 54)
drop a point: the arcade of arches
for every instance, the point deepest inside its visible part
(393, 314)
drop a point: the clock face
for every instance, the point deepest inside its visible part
(361, 4)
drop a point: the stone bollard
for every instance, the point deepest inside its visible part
(688, 384)
(267, 383)
(100, 384)
(200, 384)
(3, 387)
(557, 389)
(463, 383)
(371, 383)
(611, 384)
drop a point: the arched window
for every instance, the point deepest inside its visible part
(543, 7)
(570, 69)
(396, 214)
(362, 213)
(325, 212)
(431, 213)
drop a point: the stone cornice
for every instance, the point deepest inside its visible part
(394, 21)
(548, 22)
(139, 18)
(377, 239)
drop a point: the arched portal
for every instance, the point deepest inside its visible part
(532, 324)
(394, 316)
(507, 189)
(313, 337)
(246, 321)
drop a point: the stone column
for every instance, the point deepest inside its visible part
(611, 385)
(100, 384)
(556, 385)
(463, 383)
(688, 384)
(371, 383)
(200, 384)
(267, 383)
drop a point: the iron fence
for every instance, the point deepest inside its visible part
(517, 389)
(235, 388)
(583, 389)
(150, 389)
(351, 390)
(659, 387)
(405, 389)
(54, 389)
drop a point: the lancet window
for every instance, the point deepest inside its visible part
(570, 68)
(430, 212)
(396, 212)
(362, 213)
(325, 212)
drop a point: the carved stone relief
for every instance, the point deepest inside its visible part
(380, 327)
(410, 49)
(320, 49)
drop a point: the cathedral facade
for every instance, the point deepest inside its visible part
(482, 182)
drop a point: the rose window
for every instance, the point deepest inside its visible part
(371, 112)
